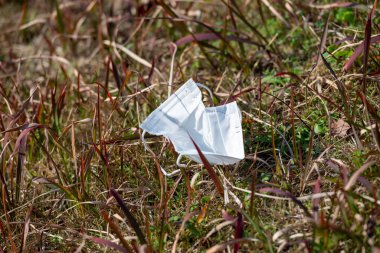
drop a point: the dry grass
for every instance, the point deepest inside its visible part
(78, 77)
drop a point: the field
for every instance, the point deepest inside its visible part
(77, 78)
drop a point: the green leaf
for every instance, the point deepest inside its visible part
(61, 26)
(319, 129)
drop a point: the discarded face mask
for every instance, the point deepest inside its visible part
(183, 117)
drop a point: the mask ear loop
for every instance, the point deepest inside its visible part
(151, 151)
(179, 164)
(144, 142)
(209, 91)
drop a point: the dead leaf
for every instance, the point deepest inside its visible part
(202, 214)
(339, 128)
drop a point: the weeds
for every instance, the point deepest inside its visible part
(78, 77)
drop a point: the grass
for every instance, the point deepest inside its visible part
(78, 77)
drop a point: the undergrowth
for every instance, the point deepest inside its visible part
(78, 78)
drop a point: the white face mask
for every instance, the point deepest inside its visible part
(216, 130)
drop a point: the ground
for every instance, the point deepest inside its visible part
(79, 77)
